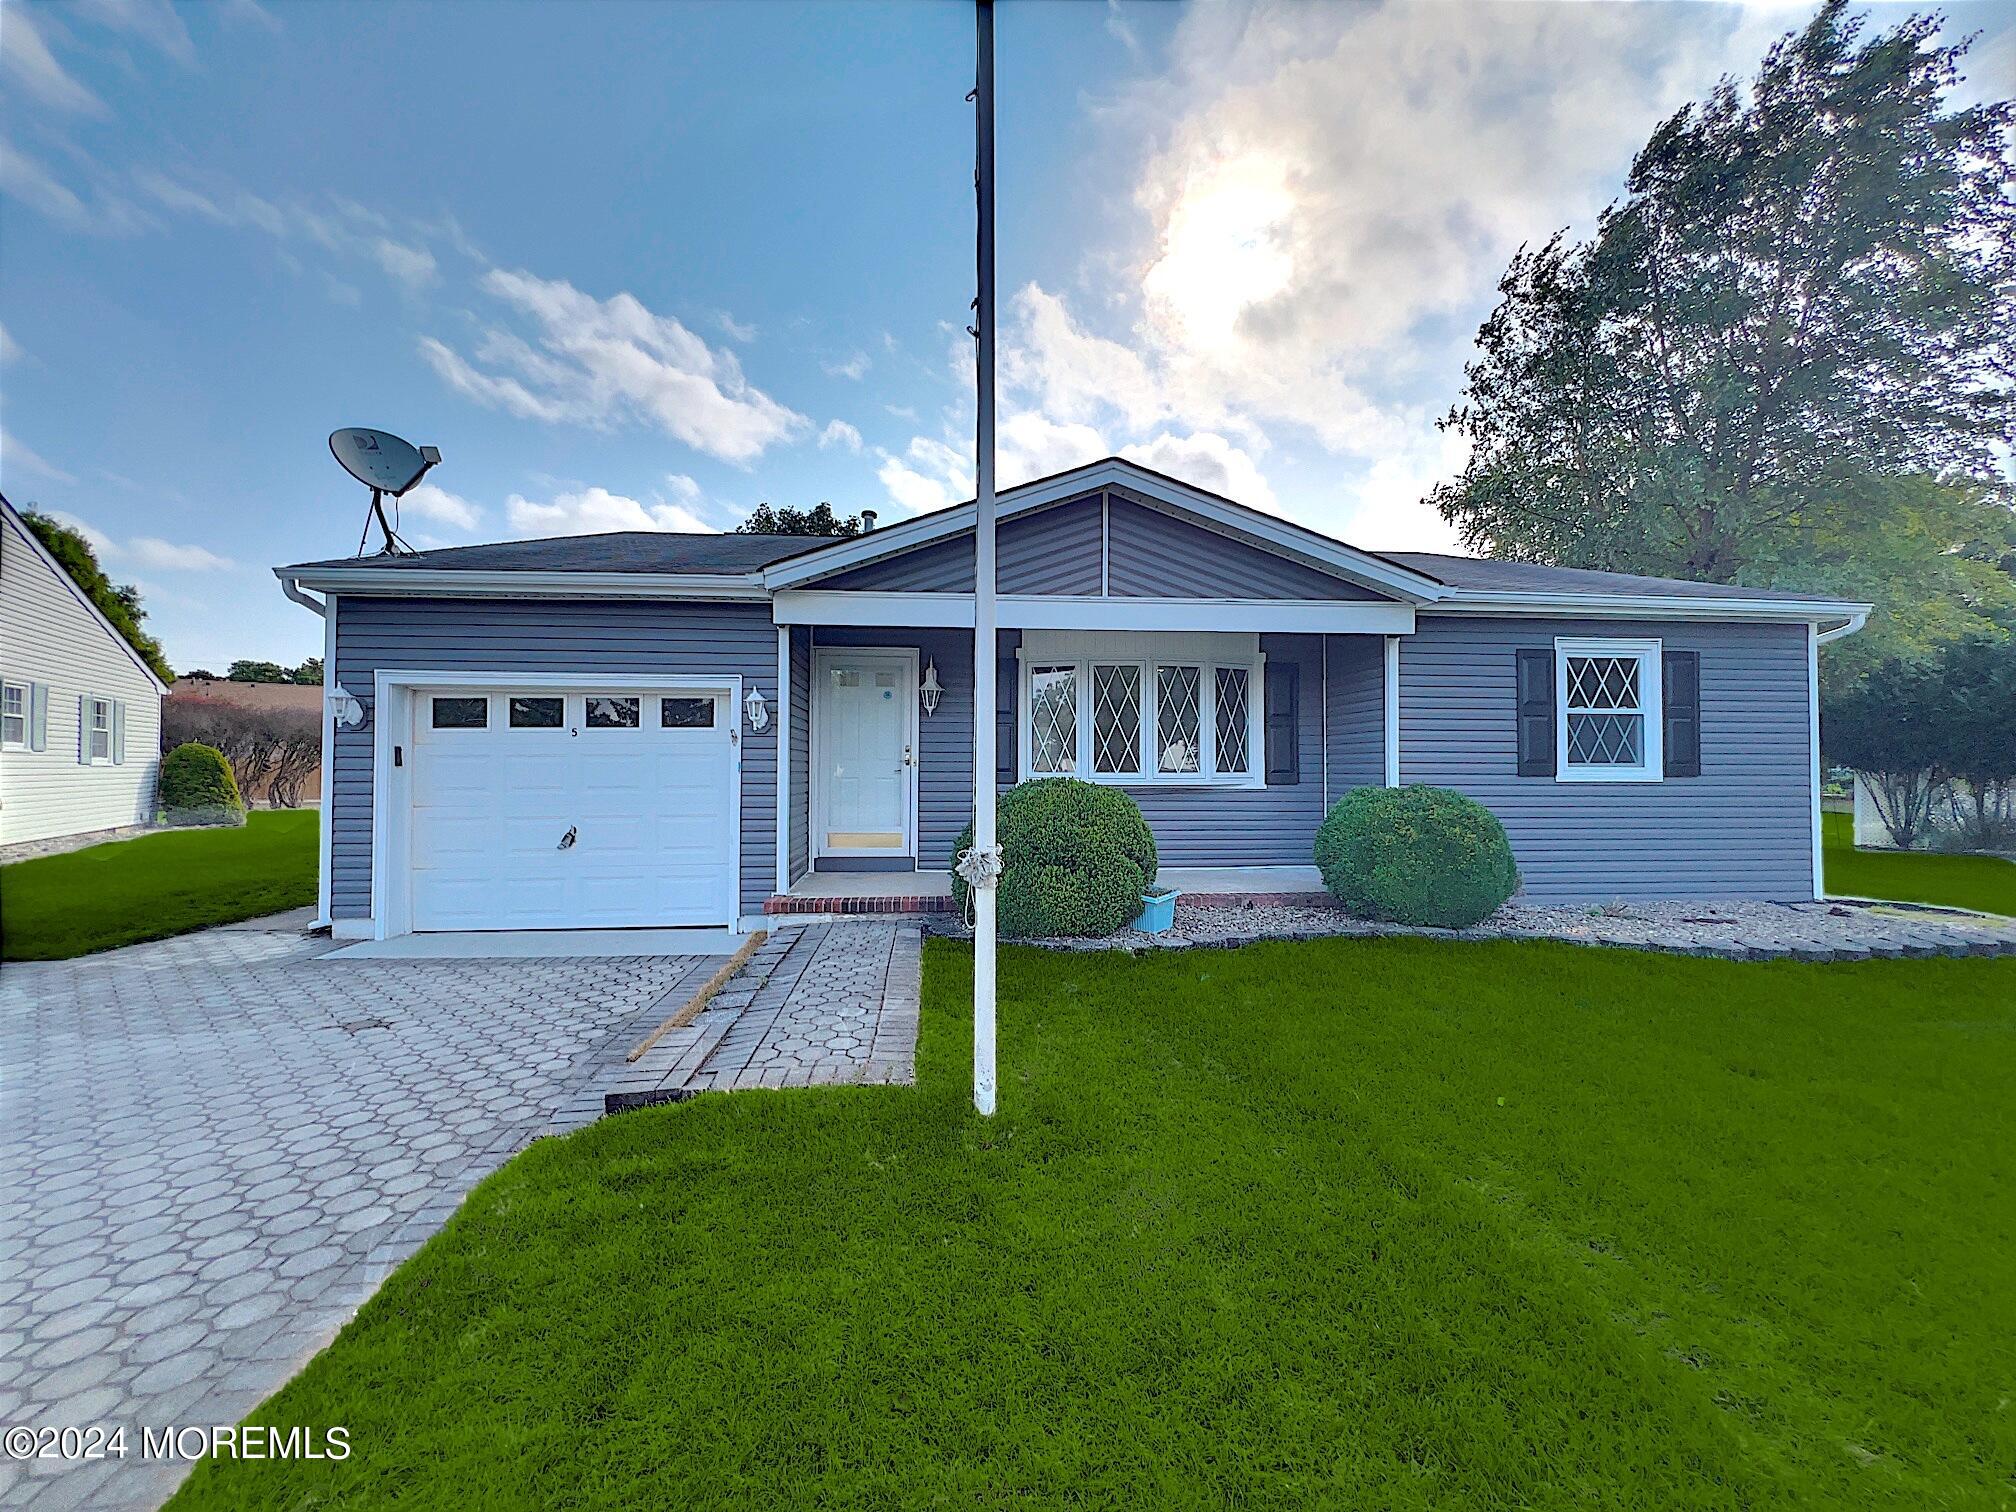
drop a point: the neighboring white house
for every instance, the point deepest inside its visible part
(80, 712)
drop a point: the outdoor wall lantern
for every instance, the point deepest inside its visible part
(757, 710)
(930, 688)
(345, 707)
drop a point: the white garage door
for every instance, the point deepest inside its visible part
(542, 809)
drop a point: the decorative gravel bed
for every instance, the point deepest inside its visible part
(1735, 930)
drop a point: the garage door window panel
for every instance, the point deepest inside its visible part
(538, 713)
(686, 713)
(612, 713)
(460, 713)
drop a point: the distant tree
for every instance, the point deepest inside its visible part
(1807, 295)
(310, 672)
(816, 521)
(119, 604)
(258, 672)
(1976, 720)
(202, 674)
(1887, 727)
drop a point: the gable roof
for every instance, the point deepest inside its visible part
(1268, 531)
(13, 518)
(678, 552)
(1492, 575)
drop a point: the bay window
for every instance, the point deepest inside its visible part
(1145, 718)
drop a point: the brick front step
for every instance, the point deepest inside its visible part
(780, 904)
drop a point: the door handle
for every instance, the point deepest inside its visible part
(908, 759)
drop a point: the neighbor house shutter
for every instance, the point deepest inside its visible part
(119, 732)
(38, 716)
(84, 729)
(1536, 713)
(1680, 678)
(1284, 722)
(1006, 670)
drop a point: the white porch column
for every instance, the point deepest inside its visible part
(1392, 687)
(783, 758)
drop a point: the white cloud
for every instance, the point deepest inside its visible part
(1211, 462)
(930, 475)
(431, 502)
(412, 266)
(14, 453)
(684, 489)
(157, 555)
(836, 433)
(855, 367)
(602, 362)
(153, 21)
(149, 553)
(104, 213)
(25, 57)
(593, 511)
(733, 329)
(9, 347)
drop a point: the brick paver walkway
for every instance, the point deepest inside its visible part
(817, 1004)
(216, 1146)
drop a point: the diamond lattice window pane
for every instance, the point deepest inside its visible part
(1231, 719)
(1606, 739)
(1116, 719)
(1177, 738)
(1053, 720)
(1603, 682)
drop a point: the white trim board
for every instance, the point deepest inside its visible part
(1047, 612)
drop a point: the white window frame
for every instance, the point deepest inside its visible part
(27, 714)
(1651, 708)
(95, 708)
(1149, 775)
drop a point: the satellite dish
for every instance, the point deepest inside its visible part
(385, 464)
(380, 460)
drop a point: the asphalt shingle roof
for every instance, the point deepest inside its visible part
(616, 551)
(1487, 575)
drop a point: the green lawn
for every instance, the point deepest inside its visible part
(155, 886)
(1987, 883)
(1384, 1223)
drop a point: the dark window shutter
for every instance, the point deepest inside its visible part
(1680, 677)
(1008, 672)
(1536, 713)
(1284, 724)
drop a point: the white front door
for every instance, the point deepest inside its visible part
(551, 808)
(864, 740)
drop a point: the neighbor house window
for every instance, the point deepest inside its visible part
(13, 715)
(101, 729)
(1608, 699)
(1147, 721)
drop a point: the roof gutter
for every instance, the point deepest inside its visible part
(1650, 605)
(292, 588)
(453, 583)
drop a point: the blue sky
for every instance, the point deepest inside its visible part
(645, 265)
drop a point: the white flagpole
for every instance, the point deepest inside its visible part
(984, 865)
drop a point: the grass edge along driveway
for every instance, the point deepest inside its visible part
(1393, 1223)
(155, 886)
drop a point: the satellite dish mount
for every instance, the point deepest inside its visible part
(386, 465)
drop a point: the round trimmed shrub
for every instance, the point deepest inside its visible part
(1416, 855)
(197, 787)
(1075, 859)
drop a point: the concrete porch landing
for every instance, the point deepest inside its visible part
(837, 893)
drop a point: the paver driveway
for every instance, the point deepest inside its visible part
(215, 1146)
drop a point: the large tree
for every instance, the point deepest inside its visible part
(118, 602)
(819, 520)
(1800, 317)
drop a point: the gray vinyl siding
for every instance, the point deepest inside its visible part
(1153, 555)
(1051, 551)
(1355, 712)
(1742, 829)
(801, 751)
(614, 637)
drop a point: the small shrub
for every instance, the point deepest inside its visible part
(1076, 857)
(197, 787)
(1416, 855)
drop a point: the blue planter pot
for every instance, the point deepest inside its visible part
(1158, 911)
